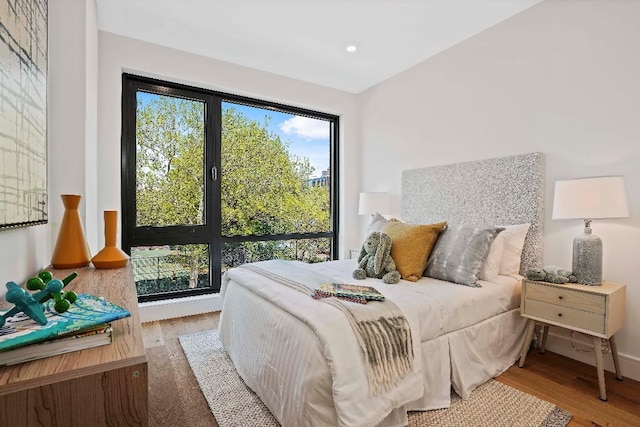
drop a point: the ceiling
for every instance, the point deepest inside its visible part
(307, 39)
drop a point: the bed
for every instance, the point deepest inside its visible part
(301, 357)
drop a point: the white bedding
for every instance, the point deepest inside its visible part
(442, 306)
(307, 380)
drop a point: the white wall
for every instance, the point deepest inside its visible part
(71, 116)
(23, 252)
(118, 54)
(72, 112)
(560, 78)
(94, 223)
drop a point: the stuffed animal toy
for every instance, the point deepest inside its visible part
(551, 274)
(375, 259)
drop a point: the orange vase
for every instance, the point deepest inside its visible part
(111, 256)
(71, 249)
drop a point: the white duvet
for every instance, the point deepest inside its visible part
(432, 308)
(442, 307)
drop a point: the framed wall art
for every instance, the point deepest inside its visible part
(23, 113)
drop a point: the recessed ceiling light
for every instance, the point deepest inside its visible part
(351, 48)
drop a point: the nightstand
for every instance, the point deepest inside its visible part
(597, 311)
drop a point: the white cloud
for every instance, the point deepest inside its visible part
(306, 128)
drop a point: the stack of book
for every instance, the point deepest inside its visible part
(86, 324)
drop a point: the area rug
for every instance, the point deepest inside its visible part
(234, 404)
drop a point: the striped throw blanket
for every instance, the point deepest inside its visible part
(380, 327)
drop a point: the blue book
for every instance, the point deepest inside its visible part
(87, 312)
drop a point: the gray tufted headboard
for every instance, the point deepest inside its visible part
(500, 191)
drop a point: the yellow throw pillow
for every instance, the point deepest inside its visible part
(411, 246)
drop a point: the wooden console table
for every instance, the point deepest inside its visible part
(100, 386)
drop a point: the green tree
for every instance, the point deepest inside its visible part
(264, 189)
(169, 177)
(170, 161)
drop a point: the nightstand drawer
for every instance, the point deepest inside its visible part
(594, 303)
(564, 315)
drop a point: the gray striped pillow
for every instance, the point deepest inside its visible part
(460, 253)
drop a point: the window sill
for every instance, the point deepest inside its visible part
(179, 307)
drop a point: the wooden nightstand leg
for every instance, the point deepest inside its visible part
(545, 334)
(614, 353)
(597, 344)
(527, 341)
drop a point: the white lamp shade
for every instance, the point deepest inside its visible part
(590, 198)
(370, 203)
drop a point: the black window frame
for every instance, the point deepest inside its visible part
(208, 233)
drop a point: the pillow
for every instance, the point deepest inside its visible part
(460, 253)
(491, 268)
(512, 251)
(411, 245)
(377, 221)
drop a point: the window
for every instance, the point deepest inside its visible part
(211, 181)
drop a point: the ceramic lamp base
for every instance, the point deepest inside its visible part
(587, 258)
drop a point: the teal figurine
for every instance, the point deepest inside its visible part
(25, 303)
(53, 287)
(31, 304)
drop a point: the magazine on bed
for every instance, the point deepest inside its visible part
(355, 293)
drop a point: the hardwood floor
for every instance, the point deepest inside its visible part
(175, 397)
(573, 386)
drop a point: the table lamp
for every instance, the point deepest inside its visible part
(372, 203)
(588, 199)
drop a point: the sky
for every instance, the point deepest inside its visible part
(305, 137)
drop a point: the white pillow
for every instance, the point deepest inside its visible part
(377, 222)
(514, 236)
(491, 268)
(503, 261)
